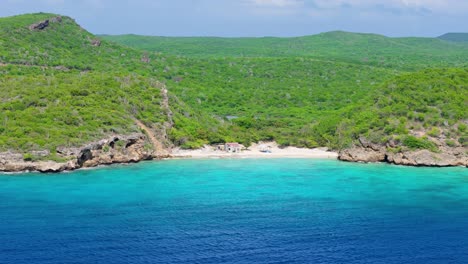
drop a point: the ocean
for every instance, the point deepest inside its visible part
(236, 211)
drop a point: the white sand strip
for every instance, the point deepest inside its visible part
(254, 151)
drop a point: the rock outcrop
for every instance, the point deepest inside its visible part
(40, 26)
(427, 158)
(57, 19)
(369, 152)
(366, 152)
(358, 154)
(96, 42)
(126, 149)
(44, 24)
(11, 164)
(116, 149)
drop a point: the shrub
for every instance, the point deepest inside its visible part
(394, 150)
(419, 143)
(106, 148)
(450, 143)
(120, 144)
(29, 157)
(434, 132)
(463, 141)
(193, 144)
(462, 127)
(420, 117)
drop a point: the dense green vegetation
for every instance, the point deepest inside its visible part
(367, 49)
(60, 86)
(274, 98)
(58, 89)
(62, 44)
(431, 104)
(49, 109)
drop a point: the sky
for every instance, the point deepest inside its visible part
(255, 18)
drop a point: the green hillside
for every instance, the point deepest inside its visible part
(368, 49)
(62, 43)
(58, 88)
(62, 86)
(431, 104)
(49, 108)
(274, 98)
(455, 37)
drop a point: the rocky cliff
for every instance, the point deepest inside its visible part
(116, 149)
(366, 151)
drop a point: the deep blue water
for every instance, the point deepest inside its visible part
(236, 211)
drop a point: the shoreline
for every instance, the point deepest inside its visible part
(93, 156)
(255, 151)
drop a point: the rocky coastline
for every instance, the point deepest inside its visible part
(116, 149)
(121, 149)
(368, 152)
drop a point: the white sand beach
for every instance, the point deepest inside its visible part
(255, 151)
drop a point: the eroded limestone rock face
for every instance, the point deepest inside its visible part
(116, 149)
(358, 154)
(369, 152)
(427, 158)
(50, 166)
(41, 166)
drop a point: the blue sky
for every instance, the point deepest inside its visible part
(255, 17)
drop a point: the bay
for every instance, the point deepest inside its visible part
(236, 211)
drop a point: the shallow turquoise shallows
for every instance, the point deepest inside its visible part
(237, 211)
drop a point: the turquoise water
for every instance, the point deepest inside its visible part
(237, 211)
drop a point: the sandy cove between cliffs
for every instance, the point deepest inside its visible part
(256, 151)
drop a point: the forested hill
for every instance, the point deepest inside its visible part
(60, 43)
(455, 37)
(61, 86)
(369, 49)
(428, 107)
